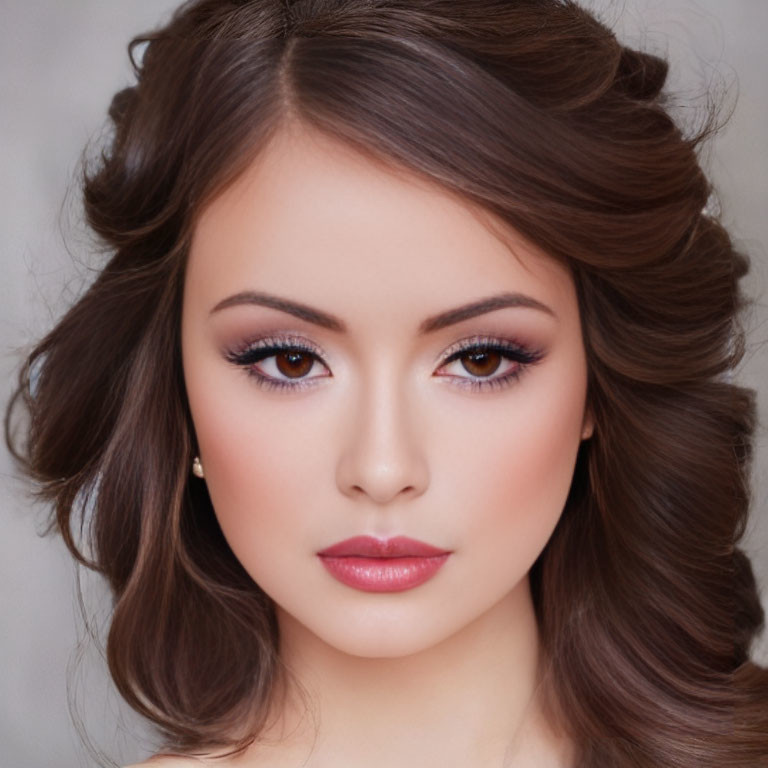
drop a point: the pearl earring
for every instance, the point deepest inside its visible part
(197, 467)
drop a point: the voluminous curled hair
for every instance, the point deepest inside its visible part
(535, 111)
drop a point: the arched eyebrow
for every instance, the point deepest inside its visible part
(431, 324)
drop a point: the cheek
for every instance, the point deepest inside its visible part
(248, 471)
(516, 470)
(261, 461)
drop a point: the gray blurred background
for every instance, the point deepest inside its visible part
(60, 62)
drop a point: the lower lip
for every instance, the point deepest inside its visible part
(383, 574)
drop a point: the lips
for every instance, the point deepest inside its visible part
(383, 565)
(368, 546)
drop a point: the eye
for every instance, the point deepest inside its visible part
(482, 357)
(280, 363)
(284, 363)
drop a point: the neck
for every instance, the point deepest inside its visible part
(470, 699)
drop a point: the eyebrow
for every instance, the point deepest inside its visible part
(431, 324)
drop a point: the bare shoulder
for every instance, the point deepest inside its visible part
(168, 761)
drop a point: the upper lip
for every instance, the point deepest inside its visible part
(368, 546)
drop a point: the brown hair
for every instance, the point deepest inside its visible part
(535, 111)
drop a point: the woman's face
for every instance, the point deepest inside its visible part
(371, 424)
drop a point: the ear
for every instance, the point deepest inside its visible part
(588, 425)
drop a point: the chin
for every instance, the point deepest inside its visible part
(374, 632)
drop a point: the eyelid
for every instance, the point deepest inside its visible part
(293, 340)
(523, 354)
(483, 340)
(287, 340)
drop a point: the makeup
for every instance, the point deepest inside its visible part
(294, 357)
(383, 565)
(436, 411)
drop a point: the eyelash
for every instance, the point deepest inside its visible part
(270, 346)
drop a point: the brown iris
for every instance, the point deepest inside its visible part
(294, 364)
(481, 363)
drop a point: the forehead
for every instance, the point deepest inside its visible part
(313, 219)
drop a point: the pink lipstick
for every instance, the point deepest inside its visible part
(382, 565)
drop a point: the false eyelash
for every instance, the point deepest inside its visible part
(266, 347)
(269, 346)
(513, 351)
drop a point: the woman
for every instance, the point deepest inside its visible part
(437, 276)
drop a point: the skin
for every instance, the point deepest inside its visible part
(385, 442)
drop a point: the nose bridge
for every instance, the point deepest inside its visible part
(384, 453)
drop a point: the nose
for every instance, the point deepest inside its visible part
(383, 456)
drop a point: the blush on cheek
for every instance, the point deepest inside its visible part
(533, 456)
(528, 497)
(551, 435)
(251, 471)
